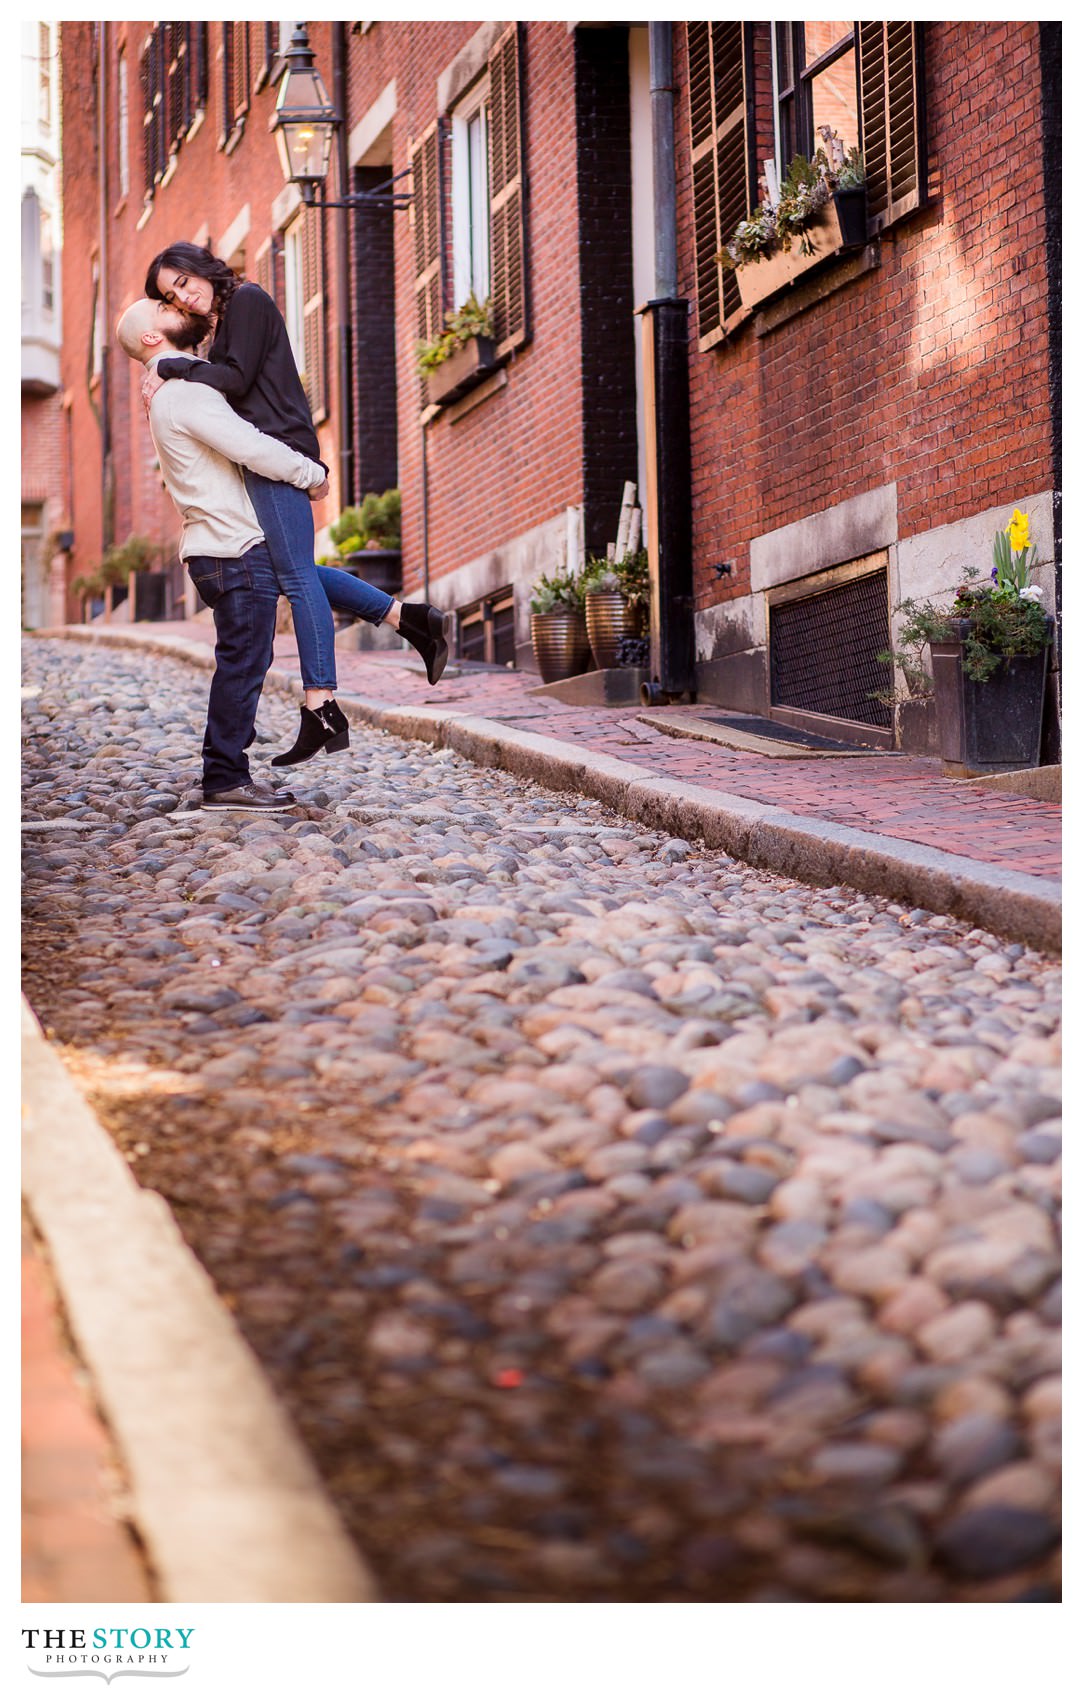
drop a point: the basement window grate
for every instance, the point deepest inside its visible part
(824, 648)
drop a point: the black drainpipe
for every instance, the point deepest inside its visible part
(342, 273)
(1049, 53)
(108, 491)
(669, 457)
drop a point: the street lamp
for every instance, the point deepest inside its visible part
(304, 123)
(304, 120)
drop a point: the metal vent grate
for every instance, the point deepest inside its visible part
(824, 649)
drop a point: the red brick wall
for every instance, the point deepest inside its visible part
(508, 466)
(209, 188)
(42, 461)
(930, 371)
(514, 460)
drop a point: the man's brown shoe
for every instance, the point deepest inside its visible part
(257, 799)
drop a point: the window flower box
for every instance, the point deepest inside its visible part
(461, 370)
(839, 227)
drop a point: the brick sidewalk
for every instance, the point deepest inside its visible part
(904, 797)
(76, 1545)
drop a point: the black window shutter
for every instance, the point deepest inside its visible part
(226, 84)
(146, 85)
(718, 96)
(507, 236)
(428, 246)
(199, 66)
(892, 120)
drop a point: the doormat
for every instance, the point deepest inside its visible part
(759, 728)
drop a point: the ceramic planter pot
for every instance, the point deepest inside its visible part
(840, 226)
(561, 644)
(608, 620)
(461, 370)
(990, 725)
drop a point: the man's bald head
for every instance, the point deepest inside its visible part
(148, 328)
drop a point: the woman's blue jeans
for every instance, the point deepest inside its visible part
(285, 517)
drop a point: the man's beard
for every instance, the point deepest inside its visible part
(196, 328)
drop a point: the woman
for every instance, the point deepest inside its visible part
(250, 361)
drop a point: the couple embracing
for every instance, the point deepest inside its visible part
(240, 458)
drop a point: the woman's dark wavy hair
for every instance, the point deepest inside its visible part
(197, 262)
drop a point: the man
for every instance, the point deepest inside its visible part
(202, 444)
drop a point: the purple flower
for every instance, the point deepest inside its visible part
(993, 575)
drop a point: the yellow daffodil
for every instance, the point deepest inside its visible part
(1019, 529)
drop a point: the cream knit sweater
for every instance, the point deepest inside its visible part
(202, 445)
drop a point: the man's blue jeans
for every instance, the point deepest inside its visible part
(285, 517)
(243, 593)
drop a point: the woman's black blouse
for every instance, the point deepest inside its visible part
(251, 363)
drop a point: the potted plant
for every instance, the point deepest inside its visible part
(616, 594)
(461, 355)
(123, 566)
(558, 627)
(368, 538)
(989, 652)
(819, 211)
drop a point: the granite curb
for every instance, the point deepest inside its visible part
(1014, 905)
(225, 1497)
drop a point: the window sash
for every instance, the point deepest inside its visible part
(470, 196)
(794, 130)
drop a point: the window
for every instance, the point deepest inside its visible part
(486, 629)
(47, 263)
(293, 279)
(122, 122)
(817, 84)
(470, 196)
(173, 81)
(864, 81)
(758, 89)
(488, 211)
(45, 75)
(304, 306)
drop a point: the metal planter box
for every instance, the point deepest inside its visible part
(461, 370)
(992, 725)
(840, 227)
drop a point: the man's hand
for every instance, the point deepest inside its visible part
(319, 491)
(151, 382)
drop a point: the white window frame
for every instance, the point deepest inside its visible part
(293, 291)
(471, 255)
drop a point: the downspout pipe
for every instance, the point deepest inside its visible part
(668, 425)
(1049, 49)
(108, 515)
(660, 37)
(343, 230)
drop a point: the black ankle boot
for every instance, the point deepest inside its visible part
(323, 728)
(427, 629)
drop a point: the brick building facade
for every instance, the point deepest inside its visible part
(854, 439)
(44, 502)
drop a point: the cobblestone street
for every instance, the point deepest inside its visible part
(615, 1221)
